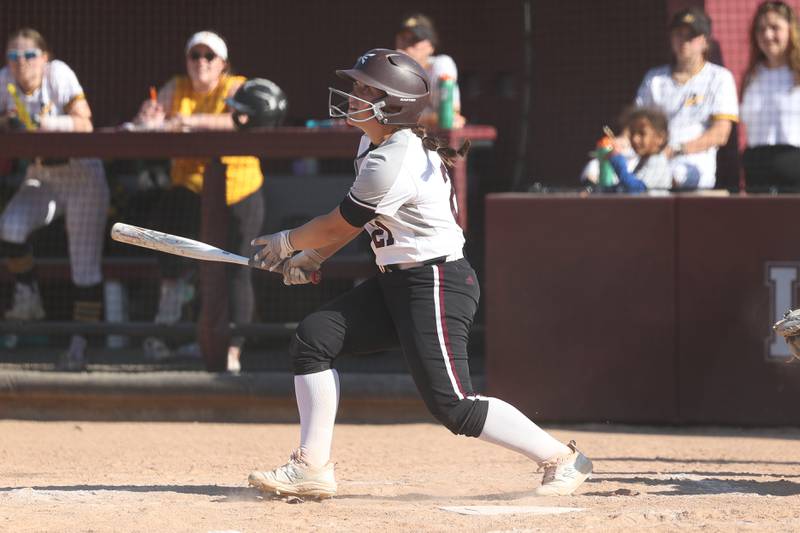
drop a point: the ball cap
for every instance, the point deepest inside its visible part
(693, 18)
(420, 27)
(210, 39)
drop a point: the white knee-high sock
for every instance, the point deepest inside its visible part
(507, 426)
(317, 400)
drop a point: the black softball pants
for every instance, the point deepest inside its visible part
(427, 311)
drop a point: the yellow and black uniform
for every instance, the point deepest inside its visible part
(243, 173)
(179, 209)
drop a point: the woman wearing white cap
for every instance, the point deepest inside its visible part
(197, 101)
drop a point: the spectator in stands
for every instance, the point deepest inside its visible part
(197, 101)
(40, 92)
(418, 38)
(648, 132)
(698, 97)
(771, 100)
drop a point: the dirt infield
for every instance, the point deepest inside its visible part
(88, 476)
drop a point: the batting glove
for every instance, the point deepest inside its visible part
(300, 269)
(275, 248)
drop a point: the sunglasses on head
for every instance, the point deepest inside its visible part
(195, 56)
(16, 55)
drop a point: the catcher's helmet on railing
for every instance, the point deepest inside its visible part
(257, 103)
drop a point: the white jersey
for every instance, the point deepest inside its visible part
(60, 87)
(771, 107)
(438, 66)
(405, 200)
(691, 108)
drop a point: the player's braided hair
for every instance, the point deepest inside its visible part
(448, 155)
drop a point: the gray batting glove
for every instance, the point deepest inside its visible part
(275, 248)
(300, 269)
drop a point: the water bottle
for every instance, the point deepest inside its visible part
(447, 87)
(605, 178)
(323, 123)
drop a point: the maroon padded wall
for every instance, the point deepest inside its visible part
(579, 307)
(724, 305)
(636, 309)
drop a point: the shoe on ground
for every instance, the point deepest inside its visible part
(173, 295)
(27, 303)
(156, 349)
(296, 478)
(234, 356)
(564, 474)
(74, 359)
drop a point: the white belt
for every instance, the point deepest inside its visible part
(406, 266)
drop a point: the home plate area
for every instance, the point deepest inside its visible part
(142, 476)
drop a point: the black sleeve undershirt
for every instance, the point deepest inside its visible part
(355, 214)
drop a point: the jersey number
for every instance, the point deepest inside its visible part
(379, 239)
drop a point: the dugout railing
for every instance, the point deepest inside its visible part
(212, 327)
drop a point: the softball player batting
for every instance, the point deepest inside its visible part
(38, 92)
(424, 299)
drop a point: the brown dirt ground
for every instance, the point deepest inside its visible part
(90, 476)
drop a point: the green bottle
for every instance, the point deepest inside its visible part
(607, 174)
(447, 87)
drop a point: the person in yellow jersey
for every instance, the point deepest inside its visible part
(197, 101)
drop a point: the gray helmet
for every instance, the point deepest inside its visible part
(403, 80)
(261, 101)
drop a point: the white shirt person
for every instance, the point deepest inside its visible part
(698, 97)
(691, 108)
(771, 101)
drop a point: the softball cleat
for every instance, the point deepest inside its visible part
(564, 474)
(296, 478)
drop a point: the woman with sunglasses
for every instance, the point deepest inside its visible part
(39, 92)
(771, 100)
(197, 101)
(423, 300)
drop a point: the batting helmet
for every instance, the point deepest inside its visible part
(403, 80)
(261, 101)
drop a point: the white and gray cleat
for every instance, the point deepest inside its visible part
(564, 474)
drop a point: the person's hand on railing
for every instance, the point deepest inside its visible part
(151, 115)
(179, 123)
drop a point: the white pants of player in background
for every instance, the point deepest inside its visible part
(79, 191)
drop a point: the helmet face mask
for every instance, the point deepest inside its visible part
(402, 80)
(339, 107)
